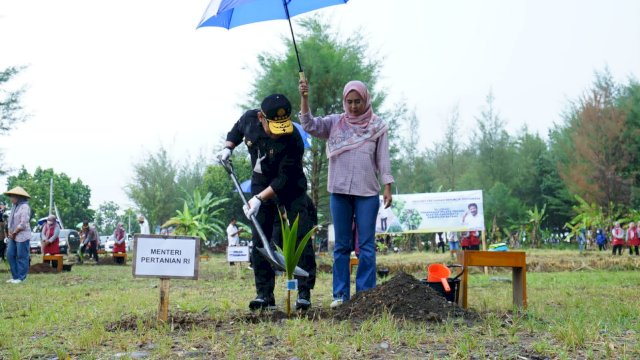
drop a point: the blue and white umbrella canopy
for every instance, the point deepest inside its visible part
(232, 13)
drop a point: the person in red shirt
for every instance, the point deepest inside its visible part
(465, 241)
(617, 239)
(119, 246)
(50, 236)
(474, 240)
(632, 239)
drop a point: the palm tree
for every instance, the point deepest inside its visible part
(199, 217)
(536, 217)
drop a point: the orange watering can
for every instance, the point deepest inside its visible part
(439, 273)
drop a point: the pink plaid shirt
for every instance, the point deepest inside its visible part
(354, 172)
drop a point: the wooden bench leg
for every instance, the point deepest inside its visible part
(519, 281)
(463, 288)
(353, 263)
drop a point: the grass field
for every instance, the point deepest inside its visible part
(592, 313)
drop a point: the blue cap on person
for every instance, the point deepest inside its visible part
(277, 109)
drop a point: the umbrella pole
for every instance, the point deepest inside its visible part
(293, 37)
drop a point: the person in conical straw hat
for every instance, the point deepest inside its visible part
(19, 234)
(144, 225)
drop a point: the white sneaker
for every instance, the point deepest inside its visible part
(335, 304)
(15, 281)
(9, 281)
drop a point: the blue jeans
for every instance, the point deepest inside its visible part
(18, 255)
(343, 210)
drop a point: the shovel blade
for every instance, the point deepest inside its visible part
(298, 270)
(277, 262)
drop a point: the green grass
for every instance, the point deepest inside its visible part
(586, 314)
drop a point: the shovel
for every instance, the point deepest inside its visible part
(275, 258)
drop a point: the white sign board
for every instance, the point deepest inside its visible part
(166, 256)
(432, 212)
(238, 254)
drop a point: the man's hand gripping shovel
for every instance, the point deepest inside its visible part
(275, 258)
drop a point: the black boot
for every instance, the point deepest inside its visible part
(304, 300)
(263, 303)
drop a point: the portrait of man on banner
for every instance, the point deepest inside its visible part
(472, 219)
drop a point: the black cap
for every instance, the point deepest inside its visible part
(277, 110)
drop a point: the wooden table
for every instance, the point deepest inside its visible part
(120, 255)
(516, 260)
(353, 262)
(57, 258)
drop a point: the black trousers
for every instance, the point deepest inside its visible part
(617, 248)
(631, 248)
(93, 251)
(3, 249)
(269, 220)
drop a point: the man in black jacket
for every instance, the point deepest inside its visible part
(276, 151)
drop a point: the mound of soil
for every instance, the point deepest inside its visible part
(42, 269)
(404, 297)
(179, 320)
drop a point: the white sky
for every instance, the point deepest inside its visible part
(108, 80)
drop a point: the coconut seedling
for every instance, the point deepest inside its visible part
(291, 252)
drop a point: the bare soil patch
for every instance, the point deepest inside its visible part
(42, 268)
(179, 320)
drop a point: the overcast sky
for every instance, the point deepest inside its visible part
(108, 80)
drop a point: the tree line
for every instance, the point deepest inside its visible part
(588, 160)
(527, 179)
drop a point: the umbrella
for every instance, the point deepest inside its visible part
(231, 13)
(245, 186)
(306, 138)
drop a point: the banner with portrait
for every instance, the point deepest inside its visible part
(432, 212)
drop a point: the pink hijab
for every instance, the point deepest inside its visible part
(352, 131)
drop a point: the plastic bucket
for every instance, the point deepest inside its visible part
(452, 295)
(438, 284)
(439, 272)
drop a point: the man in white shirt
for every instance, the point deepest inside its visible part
(144, 226)
(233, 234)
(472, 219)
(454, 245)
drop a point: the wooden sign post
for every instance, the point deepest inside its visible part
(166, 257)
(163, 308)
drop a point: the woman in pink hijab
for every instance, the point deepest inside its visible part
(358, 152)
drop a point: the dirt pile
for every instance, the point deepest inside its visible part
(404, 297)
(179, 320)
(42, 268)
